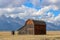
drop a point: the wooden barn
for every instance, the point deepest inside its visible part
(33, 27)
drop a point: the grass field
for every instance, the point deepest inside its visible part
(51, 35)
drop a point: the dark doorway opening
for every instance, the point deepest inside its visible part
(39, 30)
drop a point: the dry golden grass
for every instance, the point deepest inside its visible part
(51, 35)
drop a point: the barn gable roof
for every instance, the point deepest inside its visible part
(39, 22)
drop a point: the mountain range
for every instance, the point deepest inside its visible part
(9, 24)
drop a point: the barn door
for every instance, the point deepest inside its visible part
(39, 30)
(36, 30)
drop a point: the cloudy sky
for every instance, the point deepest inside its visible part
(47, 10)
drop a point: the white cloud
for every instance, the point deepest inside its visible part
(50, 14)
(42, 11)
(45, 9)
(50, 2)
(22, 12)
(11, 3)
(57, 18)
(53, 1)
(35, 2)
(43, 3)
(54, 7)
(4, 3)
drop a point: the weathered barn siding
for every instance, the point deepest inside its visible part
(27, 30)
(30, 29)
(22, 31)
